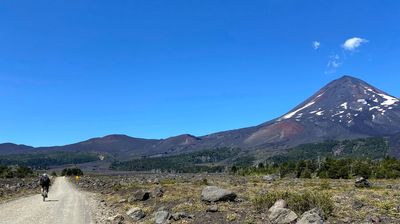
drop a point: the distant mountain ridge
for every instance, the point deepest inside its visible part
(346, 108)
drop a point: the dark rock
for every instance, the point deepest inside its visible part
(139, 195)
(362, 182)
(178, 216)
(357, 204)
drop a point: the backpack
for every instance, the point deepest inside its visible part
(44, 181)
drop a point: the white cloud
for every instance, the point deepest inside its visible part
(353, 43)
(316, 45)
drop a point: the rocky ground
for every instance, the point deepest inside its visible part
(17, 187)
(202, 198)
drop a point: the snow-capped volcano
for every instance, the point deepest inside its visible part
(346, 108)
(350, 102)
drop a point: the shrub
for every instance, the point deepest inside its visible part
(298, 202)
(23, 171)
(20, 172)
(71, 172)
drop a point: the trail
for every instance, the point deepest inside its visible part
(64, 205)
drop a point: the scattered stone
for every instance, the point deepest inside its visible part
(362, 182)
(136, 214)
(117, 219)
(214, 194)
(373, 219)
(122, 201)
(178, 216)
(313, 216)
(212, 208)
(161, 217)
(357, 204)
(269, 178)
(158, 192)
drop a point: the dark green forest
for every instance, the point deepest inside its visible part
(366, 148)
(204, 161)
(44, 160)
(330, 159)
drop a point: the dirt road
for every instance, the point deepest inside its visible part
(65, 204)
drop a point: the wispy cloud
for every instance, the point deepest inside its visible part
(334, 63)
(353, 43)
(316, 45)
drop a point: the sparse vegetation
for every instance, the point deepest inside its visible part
(336, 198)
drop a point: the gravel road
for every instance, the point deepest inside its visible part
(65, 204)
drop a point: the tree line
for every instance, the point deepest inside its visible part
(334, 168)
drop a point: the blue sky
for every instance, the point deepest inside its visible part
(72, 70)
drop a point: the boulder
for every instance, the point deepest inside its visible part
(362, 182)
(279, 204)
(313, 216)
(139, 195)
(279, 214)
(282, 216)
(214, 194)
(136, 214)
(161, 217)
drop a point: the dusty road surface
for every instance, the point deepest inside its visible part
(65, 204)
